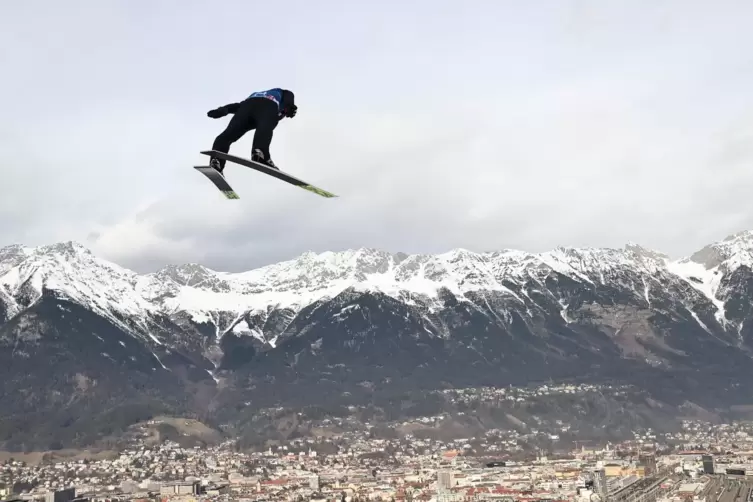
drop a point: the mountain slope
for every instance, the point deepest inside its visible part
(342, 326)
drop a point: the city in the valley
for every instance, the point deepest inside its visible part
(702, 462)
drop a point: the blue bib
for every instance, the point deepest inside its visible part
(271, 94)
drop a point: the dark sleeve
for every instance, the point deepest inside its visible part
(223, 110)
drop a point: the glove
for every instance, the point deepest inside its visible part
(217, 113)
(291, 111)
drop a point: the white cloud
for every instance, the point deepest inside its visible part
(586, 124)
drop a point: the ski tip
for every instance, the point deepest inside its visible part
(318, 191)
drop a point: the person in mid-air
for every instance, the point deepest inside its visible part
(262, 111)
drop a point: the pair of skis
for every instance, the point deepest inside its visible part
(221, 183)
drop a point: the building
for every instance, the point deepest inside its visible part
(599, 478)
(708, 464)
(61, 495)
(216, 491)
(648, 462)
(445, 480)
(192, 488)
(314, 483)
(689, 491)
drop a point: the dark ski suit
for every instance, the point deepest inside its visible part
(261, 111)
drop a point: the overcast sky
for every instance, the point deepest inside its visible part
(441, 124)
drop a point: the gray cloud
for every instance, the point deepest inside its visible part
(585, 124)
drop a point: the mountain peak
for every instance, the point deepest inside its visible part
(745, 235)
(190, 274)
(644, 252)
(735, 250)
(67, 248)
(50, 256)
(13, 251)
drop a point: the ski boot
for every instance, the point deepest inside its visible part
(215, 164)
(258, 156)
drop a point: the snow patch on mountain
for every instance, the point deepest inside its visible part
(733, 252)
(9, 304)
(72, 272)
(225, 299)
(297, 283)
(706, 281)
(706, 268)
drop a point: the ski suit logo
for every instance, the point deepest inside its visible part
(272, 95)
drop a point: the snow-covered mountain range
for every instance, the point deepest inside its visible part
(367, 317)
(207, 296)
